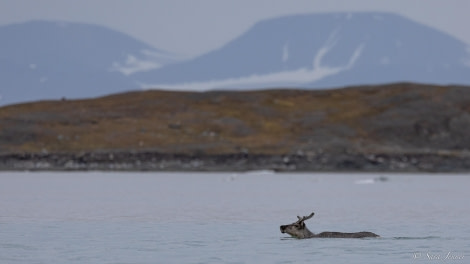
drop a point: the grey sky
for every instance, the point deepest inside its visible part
(193, 27)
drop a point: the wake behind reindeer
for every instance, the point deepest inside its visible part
(299, 230)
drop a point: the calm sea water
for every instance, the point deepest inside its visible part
(96, 217)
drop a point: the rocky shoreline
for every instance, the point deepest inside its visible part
(393, 127)
(153, 161)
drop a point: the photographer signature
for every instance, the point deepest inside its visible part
(433, 256)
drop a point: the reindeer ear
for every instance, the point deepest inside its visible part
(302, 224)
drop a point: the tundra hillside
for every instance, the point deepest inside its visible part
(396, 127)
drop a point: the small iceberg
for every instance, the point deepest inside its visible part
(371, 181)
(260, 172)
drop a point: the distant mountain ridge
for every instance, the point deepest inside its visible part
(322, 51)
(50, 60)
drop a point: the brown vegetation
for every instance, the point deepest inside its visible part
(396, 118)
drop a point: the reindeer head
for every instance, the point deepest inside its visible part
(298, 229)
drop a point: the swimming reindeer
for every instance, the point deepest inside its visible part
(300, 230)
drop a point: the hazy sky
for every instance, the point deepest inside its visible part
(197, 26)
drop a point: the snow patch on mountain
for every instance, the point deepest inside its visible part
(50, 60)
(151, 60)
(299, 76)
(133, 65)
(322, 51)
(47, 60)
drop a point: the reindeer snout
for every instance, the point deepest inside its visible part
(283, 228)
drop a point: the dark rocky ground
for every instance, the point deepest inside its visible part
(396, 127)
(147, 161)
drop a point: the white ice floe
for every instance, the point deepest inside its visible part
(372, 181)
(365, 181)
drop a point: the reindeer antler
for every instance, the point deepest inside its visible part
(301, 219)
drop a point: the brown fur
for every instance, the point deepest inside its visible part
(299, 230)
